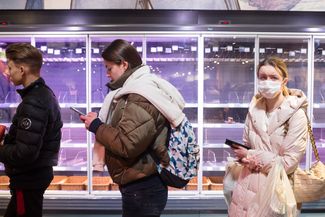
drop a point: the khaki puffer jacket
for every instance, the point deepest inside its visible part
(136, 129)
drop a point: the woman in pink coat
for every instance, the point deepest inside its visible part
(276, 126)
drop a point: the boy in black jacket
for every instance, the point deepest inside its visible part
(30, 149)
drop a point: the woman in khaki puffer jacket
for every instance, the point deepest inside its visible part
(132, 127)
(276, 126)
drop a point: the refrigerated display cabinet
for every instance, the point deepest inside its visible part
(212, 65)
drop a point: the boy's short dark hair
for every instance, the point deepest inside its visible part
(24, 53)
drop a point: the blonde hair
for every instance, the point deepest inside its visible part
(279, 66)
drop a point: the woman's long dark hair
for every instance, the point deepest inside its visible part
(120, 50)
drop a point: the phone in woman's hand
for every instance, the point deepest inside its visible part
(233, 144)
(77, 111)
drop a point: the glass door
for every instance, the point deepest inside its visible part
(64, 70)
(294, 51)
(228, 89)
(175, 58)
(9, 98)
(98, 90)
(319, 96)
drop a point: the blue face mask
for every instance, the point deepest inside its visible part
(268, 88)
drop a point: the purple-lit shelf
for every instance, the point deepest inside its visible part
(319, 105)
(228, 59)
(249, 60)
(187, 105)
(65, 125)
(74, 125)
(215, 145)
(77, 105)
(173, 59)
(9, 105)
(226, 125)
(62, 105)
(6, 124)
(319, 60)
(321, 143)
(96, 105)
(318, 125)
(70, 168)
(225, 105)
(213, 166)
(65, 59)
(71, 144)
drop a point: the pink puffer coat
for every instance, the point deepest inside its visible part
(285, 136)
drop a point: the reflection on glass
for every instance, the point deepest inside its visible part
(211, 158)
(175, 59)
(62, 157)
(228, 69)
(98, 95)
(294, 53)
(12, 97)
(64, 68)
(98, 72)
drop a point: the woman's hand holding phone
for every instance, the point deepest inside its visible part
(87, 119)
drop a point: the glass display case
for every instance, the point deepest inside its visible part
(9, 98)
(294, 51)
(228, 88)
(216, 74)
(64, 70)
(318, 114)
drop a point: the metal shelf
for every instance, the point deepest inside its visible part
(213, 167)
(171, 59)
(319, 105)
(69, 144)
(9, 105)
(234, 125)
(225, 105)
(215, 145)
(318, 125)
(70, 168)
(77, 105)
(74, 125)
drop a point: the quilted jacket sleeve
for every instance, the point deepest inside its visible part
(135, 131)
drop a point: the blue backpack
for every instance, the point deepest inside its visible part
(184, 154)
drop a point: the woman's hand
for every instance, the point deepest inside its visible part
(87, 119)
(240, 152)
